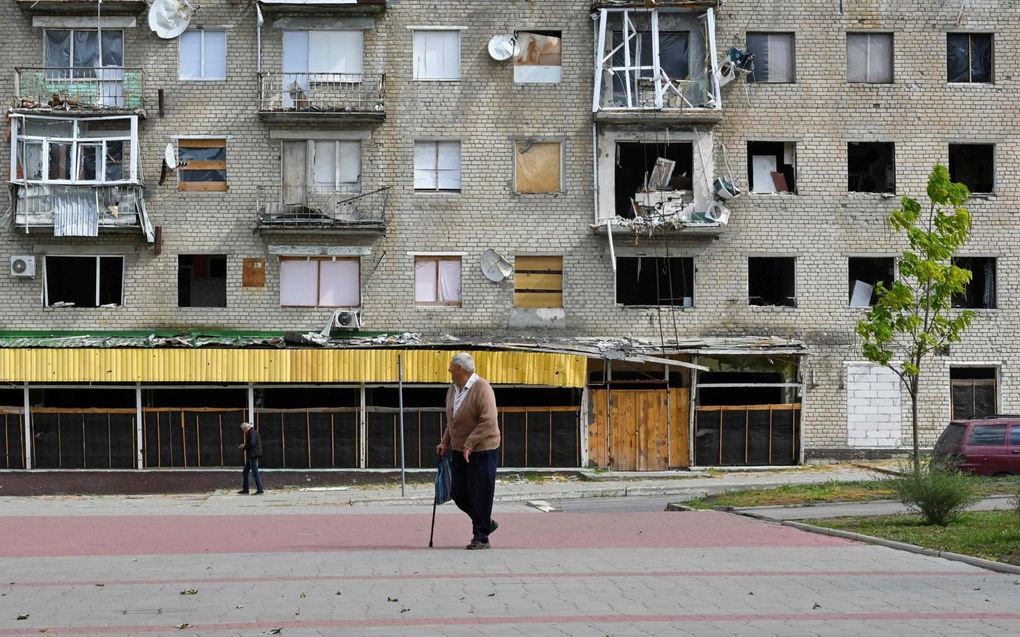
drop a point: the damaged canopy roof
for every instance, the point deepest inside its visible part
(644, 4)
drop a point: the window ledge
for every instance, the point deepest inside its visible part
(983, 196)
(772, 308)
(655, 307)
(773, 194)
(433, 308)
(971, 84)
(868, 196)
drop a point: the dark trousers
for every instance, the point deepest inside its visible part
(474, 485)
(252, 466)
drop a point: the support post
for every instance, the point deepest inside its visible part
(362, 429)
(27, 423)
(400, 405)
(140, 459)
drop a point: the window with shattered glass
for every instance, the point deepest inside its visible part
(539, 58)
(75, 53)
(969, 58)
(774, 57)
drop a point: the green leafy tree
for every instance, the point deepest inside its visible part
(912, 317)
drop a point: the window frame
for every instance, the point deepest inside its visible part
(687, 264)
(70, 51)
(867, 66)
(523, 269)
(437, 258)
(517, 143)
(955, 301)
(424, 74)
(319, 260)
(555, 77)
(98, 264)
(201, 56)
(436, 144)
(970, 56)
(953, 173)
(191, 270)
(794, 300)
(77, 139)
(862, 144)
(212, 164)
(850, 269)
(793, 49)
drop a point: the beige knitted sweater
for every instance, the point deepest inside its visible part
(475, 425)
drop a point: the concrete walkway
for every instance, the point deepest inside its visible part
(853, 509)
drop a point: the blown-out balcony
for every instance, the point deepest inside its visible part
(314, 210)
(303, 97)
(105, 89)
(81, 211)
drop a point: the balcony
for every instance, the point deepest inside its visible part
(328, 7)
(318, 210)
(79, 89)
(78, 7)
(304, 97)
(77, 211)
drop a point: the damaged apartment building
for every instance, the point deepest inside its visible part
(654, 225)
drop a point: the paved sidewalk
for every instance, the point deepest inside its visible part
(853, 509)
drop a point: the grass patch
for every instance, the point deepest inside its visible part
(992, 535)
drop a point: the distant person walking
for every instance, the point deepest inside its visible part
(472, 433)
(252, 446)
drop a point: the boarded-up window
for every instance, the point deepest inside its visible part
(320, 282)
(437, 281)
(203, 165)
(539, 59)
(538, 167)
(538, 282)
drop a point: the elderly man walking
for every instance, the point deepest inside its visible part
(472, 433)
(252, 446)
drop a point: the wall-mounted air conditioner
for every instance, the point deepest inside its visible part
(346, 320)
(23, 265)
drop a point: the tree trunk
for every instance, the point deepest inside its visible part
(913, 424)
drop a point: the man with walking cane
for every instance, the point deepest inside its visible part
(472, 433)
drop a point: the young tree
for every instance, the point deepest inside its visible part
(912, 317)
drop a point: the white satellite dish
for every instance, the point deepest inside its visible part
(169, 18)
(494, 267)
(503, 47)
(170, 157)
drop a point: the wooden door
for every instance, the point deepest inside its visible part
(630, 431)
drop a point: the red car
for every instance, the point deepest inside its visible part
(988, 446)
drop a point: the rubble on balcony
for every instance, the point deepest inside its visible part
(76, 211)
(86, 89)
(320, 209)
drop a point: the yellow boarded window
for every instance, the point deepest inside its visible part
(537, 167)
(538, 282)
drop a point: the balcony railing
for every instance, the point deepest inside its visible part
(325, 93)
(321, 209)
(81, 211)
(79, 88)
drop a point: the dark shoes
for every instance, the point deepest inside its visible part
(476, 545)
(493, 527)
(243, 492)
(258, 493)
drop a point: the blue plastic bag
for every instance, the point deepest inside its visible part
(444, 480)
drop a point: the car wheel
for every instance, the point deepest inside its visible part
(1002, 474)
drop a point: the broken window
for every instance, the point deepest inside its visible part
(980, 292)
(203, 55)
(437, 166)
(772, 166)
(83, 281)
(437, 280)
(974, 392)
(969, 57)
(320, 167)
(871, 167)
(70, 54)
(865, 275)
(539, 58)
(320, 281)
(772, 281)
(973, 165)
(773, 57)
(73, 150)
(538, 167)
(655, 281)
(538, 281)
(201, 280)
(636, 183)
(436, 55)
(869, 58)
(674, 64)
(203, 165)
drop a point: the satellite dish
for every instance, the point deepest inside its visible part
(503, 47)
(170, 157)
(169, 18)
(494, 267)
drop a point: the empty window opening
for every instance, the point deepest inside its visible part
(772, 166)
(865, 275)
(655, 281)
(539, 58)
(871, 167)
(980, 292)
(974, 392)
(320, 282)
(538, 281)
(973, 165)
(869, 58)
(969, 57)
(772, 281)
(84, 281)
(538, 167)
(674, 63)
(636, 174)
(774, 57)
(201, 280)
(437, 280)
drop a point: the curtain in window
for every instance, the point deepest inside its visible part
(298, 282)
(425, 281)
(449, 281)
(988, 295)
(339, 283)
(981, 57)
(57, 48)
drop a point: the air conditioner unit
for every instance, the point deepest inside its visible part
(346, 320)
(23, 265)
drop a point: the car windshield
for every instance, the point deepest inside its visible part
(987, 436)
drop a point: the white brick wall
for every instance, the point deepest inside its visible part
(872, 406)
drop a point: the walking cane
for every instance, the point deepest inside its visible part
(433, 531)
(442, 493)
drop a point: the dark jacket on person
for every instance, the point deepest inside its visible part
(253, 443)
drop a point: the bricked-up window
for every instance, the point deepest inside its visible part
(772, 166)
(869, 58)
(203, 165)
(73, 281)
(437, 280)
(538, 167)
(201, 280)
(320, 281)
(865, 275)
(437, 166)
(539, 59)
(202, 55)
(538, 281)
(973, 165)
(969, 57)
(773, 57)
(980, 292)
(436, 55)
(655, 281)
(772, 281)
(871, 167)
